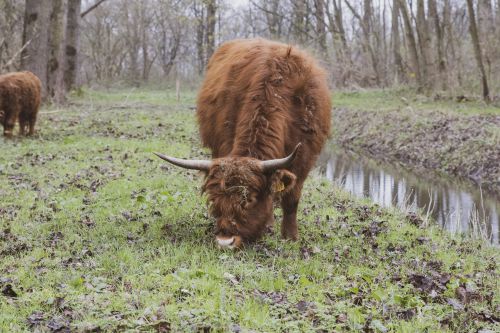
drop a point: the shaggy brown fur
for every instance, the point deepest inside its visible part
(19, 99)
(258, 101)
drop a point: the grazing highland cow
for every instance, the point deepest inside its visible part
(260, 101)
(19, 99)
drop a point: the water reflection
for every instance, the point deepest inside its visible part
(455, 208)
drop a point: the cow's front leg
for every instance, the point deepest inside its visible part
(32, 122)
(289, 204)
(23, 126)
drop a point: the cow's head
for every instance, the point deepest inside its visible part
(240, 193)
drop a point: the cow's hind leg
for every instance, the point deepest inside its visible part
(32, 122)
(9, 122)
(289, 204)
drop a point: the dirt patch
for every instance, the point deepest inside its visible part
(458, 145)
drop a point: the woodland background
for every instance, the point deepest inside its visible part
(441, 48)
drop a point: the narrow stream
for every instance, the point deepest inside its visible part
(454, 206)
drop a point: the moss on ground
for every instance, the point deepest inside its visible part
(98, 235)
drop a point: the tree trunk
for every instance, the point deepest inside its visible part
(441, 61)
(412, 44)
(451, 43)
(199, 13)
(369, 34)
(485, 17)
(147, 59)
(396, 44)
(54, 84)
(320, 25)
(497, 15)
(299, 21)
(477, 50)
(72, 42)
(210, 30)
(36, 36)
(339, 24)
(424, 43)
(487, 39)
(272, 18)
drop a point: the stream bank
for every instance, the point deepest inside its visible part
(455, 206)
(467, 146)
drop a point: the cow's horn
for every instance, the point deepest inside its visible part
(202, 165)
(271, 165)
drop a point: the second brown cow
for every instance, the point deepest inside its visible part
(19, 99)
(264, 111)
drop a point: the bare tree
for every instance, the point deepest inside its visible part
(11, 27)
(439, 40)
(211, 10)
(55, 42)
(339, 41)
(477, 50)
(91, 8)
(200, 14)
(421, 43)
(35, 35)
(366, 27)
(171, 30)
(396, 43)
(487, 37)
(104, 43)
(424, 44)
(72, 43)
(299, 26)
(274, 20)
(319, 6)
(412, 44)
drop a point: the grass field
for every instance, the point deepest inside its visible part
(406, 100)
(96, 234)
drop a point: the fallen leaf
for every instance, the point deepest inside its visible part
(231, 277)
(342, 318)
(455, 304)
(8, 291)
(36, 318)
(58, 324)
(304, 305)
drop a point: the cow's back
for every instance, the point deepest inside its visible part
(260, 98)
(20, 89)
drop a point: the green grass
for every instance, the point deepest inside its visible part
(96, 233)
(384, 100)
(113, 96)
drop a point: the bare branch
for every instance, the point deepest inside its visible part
(91, 8)
(8, 63)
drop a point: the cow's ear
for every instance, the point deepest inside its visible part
(282, 181)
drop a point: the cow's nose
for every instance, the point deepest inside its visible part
(225, 242)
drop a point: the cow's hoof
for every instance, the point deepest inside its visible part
(292, 237)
